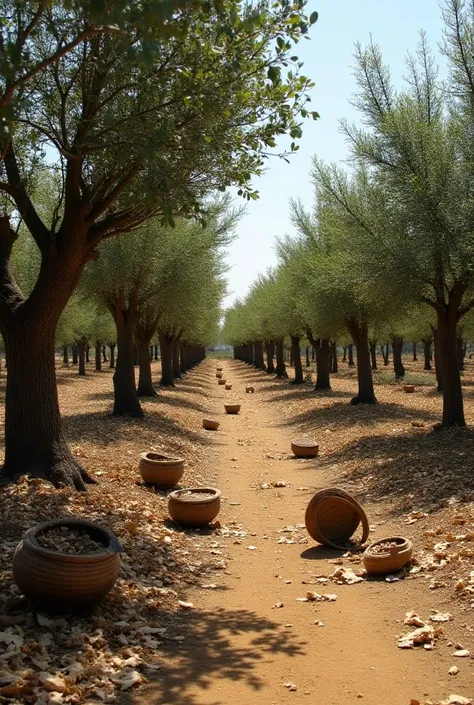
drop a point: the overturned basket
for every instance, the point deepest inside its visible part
(333, 516)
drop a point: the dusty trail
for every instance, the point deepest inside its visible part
(239, 647)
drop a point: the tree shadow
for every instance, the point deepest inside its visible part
(304, 393)
(362, 414)
(412, 469)
(209, 651)
(119, 429)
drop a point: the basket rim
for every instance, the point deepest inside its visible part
(112, 547)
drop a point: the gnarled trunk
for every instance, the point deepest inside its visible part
(258, 355)
(34, 441)
(322, 364)
(350, 351)
(176, 362)
(427, 353)
(81, 351)
(334, 367)
(296, 354)
(126, 401)
(270, 352)
(145, 382)
(98, 356)
(373, 355)
(397, 348)
(437, 360)
(112, 355)
(166, 347)
(453, 406)
(280, 360)
(359, 334)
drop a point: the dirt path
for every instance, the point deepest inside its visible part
(239, 647)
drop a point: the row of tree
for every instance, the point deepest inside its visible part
(388, 248)
(142, 111)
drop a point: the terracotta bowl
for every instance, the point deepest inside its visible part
(194, 506)
(305, 448)
(60, 582)
(333, 516)
(221, 381)
(219, 369)
(390, 560)
(249, 390)
(219, 375)
(210, 425)
(232, 408)
(228, 386)
(409, 388)
(160, 470)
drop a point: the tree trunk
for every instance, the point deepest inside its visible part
(334, 368)
(461, 352)
(166, 347)
(126, 401)
(87, 351)
(437, 360)
(397, 348)
(65, 356)
(258, 354)
(296, 353)
(385, 355)
(81, 350)
(360, 337)
(34, 441)
(427, 353)
(373, 355)
(98, 357)
(75, 358)
(145, 383)
(291, 356)
(183, 364)
(322, 365)
(156, 353)
(104, 354)
(344, 354)
(308, 362)
(112, 355)
(350, 350)
(280, 360)
(453, 407)
(270, 351)
(415, 357)
(176, 364)
(313, 354)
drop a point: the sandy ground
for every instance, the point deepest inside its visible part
(249, 637)
(251, 640)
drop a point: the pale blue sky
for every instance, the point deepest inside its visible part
(328, 61)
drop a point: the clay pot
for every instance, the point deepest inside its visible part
(221, 381)
(228, 386)
(305, 448)
(159, 470)
(210, 425)
(219, 369)
(249, 390)
(389, 561)
(232, 408)
(409, 388)
(194, 506)
(60, 582)
(219, 375)
(332, 517)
